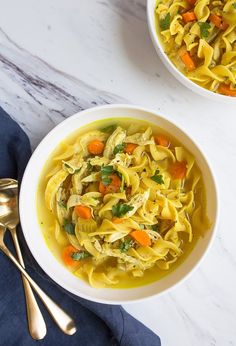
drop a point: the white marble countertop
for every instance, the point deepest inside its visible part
(59, 56)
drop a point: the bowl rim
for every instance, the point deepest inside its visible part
(173, 69)
(23, 189)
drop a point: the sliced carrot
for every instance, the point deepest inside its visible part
(102, 188)
(66, 255)
(117, 220)
(189, 17)
(187, 60)
(96, 147)
(141, 237)
(162, 140)
(83, 211)
(129, 148)
(113, 187)
(225, 90)
(218, 21)
(178, 170)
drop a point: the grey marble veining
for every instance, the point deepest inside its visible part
(58, 57)
(45, 96)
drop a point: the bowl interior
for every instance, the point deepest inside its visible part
(33, 233)
(151, 5)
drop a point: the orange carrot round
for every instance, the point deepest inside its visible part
(129, 148)
(113, 187)
(141, 237)
(218, 21)
(187, 60)
(102, 188)
(83, 211)
(66, 255)
(117, 220)
(189, 17)
(178, 170)
(96, 147)
(162, 140)
(225, 90)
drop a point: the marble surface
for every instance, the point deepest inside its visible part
(58, 57)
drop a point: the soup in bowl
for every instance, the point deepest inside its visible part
(198, 39)
(121, 204)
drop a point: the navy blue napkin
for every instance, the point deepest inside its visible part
(98, 324)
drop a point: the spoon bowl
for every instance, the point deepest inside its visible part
(9, 201)
(9, 218)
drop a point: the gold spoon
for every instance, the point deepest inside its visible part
(9, 218)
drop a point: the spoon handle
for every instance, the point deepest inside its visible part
(36, 323)
(62, 319)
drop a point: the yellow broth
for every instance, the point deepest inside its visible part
(47, 218)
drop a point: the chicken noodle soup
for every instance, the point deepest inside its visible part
(199, 37)
(121, 204)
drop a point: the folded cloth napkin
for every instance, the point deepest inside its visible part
(98, 324)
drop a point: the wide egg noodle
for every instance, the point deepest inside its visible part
(212, 48)
(165, 209)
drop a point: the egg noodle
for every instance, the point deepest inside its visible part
(123, 202)
(199, 37)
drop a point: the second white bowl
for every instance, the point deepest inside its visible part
(151, 5)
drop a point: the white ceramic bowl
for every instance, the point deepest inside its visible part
(32, 231)
(151, 5)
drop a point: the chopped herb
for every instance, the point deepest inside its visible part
(106, 181)
(62, 204)
(155, 227)
(106, 171)
(77, 170)
(80, 255)
(126, 245)
(121, 209)
(204, 29)
(234, 5)
(89, 167)
(119, 148)
(165, 22)
(109, 128)
(158, 178)
(69, 227)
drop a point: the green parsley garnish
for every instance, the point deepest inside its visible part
(62, 204)
(80, 255)
(121, 209)
(158, 178)
(89, 167)
(126, 245)
(66, 165)
(106, 171)
(109, 128)
(155, 227)
(204, 29)
(77, 170)
(69, 227)
(119, 148)
(165, 22)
